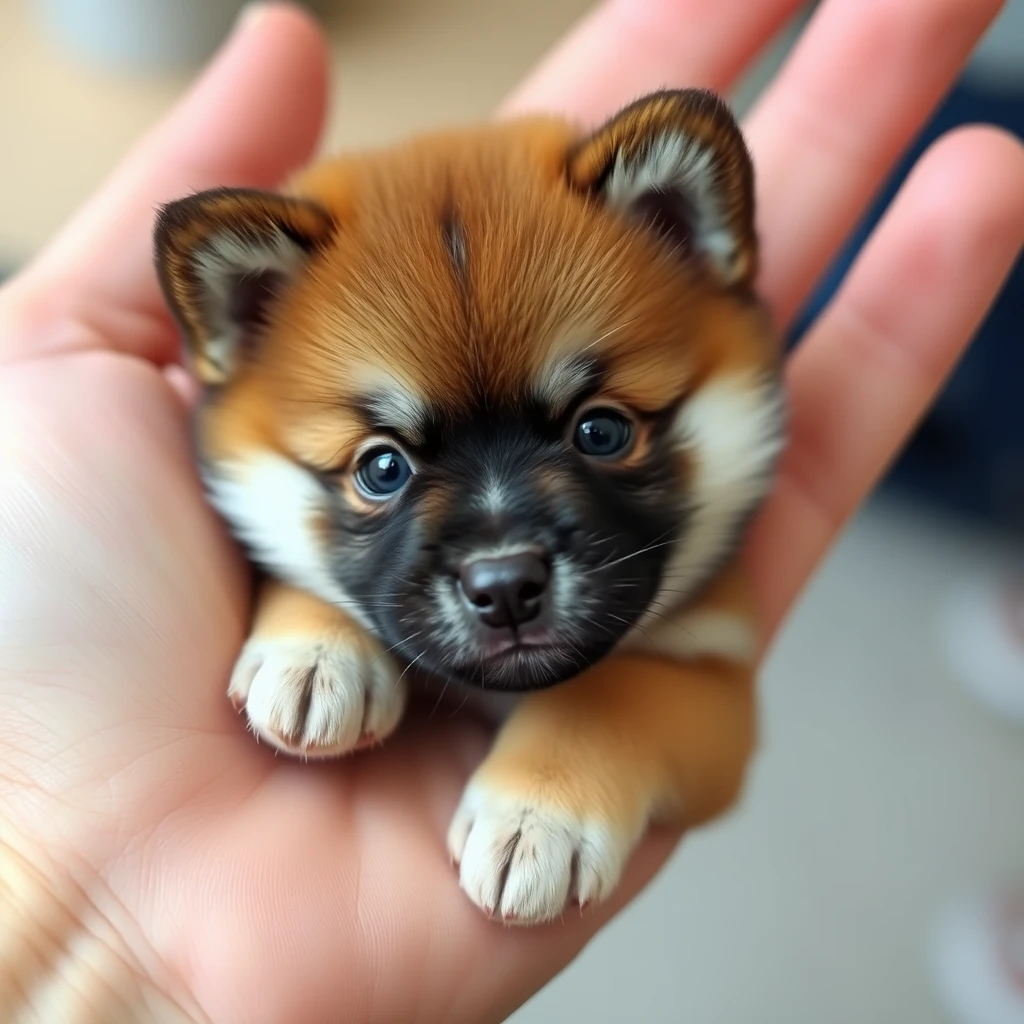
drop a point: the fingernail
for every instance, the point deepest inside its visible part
(251, 13)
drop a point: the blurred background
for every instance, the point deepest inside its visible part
(883, 787)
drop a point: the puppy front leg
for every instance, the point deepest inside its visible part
(580, 770)
(312, 681)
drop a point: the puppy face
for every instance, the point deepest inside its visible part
(503, 395)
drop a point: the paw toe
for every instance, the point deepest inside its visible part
(526, 862)
(317, 698)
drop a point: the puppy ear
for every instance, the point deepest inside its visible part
(223, 258)
(677, 162)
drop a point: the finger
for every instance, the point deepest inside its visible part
(185, 387)
(874, 361)
(254, 115)
(626, 48)
(518, 961)
(861, 82)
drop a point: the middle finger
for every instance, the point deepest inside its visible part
(626, 48)
(862, 80)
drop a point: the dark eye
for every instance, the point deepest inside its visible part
(602, 433)
(382, 472)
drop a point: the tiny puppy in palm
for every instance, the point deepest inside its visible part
(496, 405)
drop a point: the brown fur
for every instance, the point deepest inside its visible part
(361, 309)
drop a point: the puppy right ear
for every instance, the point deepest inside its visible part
(224, 257)
(676, 163)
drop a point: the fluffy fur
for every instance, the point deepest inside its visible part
(548, 348)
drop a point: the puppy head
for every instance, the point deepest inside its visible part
(503, 395)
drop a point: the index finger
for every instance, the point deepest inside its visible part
(253, 117)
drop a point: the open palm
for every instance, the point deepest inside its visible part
(194, 875)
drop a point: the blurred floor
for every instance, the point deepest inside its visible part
(880, 786)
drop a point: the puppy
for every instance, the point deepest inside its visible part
(497, 404)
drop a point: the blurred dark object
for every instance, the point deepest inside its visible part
(968, 455)
(141, 35)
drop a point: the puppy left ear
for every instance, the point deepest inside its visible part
(677, 162)
(224, 259)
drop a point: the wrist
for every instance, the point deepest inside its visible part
(61, 958)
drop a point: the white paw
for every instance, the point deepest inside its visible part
(525, 861)
(318, 696)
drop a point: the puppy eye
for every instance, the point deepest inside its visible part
(382, 473)
(603, 433)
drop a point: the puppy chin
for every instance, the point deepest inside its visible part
(522, 666)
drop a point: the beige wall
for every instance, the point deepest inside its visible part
(399, 65)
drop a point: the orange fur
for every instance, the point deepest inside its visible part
(287, 611)
(361, 311)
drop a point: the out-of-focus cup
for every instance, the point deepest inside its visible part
(141, 34)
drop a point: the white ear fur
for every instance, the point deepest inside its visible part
(673, 163)
(677, 162)
(227, 264)
(224, 257)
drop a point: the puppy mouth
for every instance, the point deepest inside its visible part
(504, 647)
(511, 642)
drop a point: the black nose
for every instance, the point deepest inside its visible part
(506, 591)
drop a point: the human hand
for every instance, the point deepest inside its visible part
(165, 865)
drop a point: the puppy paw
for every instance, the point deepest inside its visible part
(525, 859)
(318, 696)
